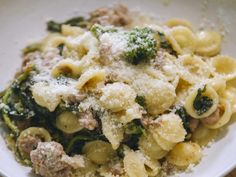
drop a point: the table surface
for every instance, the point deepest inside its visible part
(232, 174)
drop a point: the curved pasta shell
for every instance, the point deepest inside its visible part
(99, 152)
(112, 129)
(225, 116)
(134, 165)
(52, 41)
(68, 123)
(230, 95)
(117, 96)
(203, 135)
(164, 144)
(68, 30)
(170, 128)
(195, 66)
(178, 22)
(184, 154)
(211, 93)
(208, 43)
(185, 39)
(225, 66)
(90, 78)
(149, 147)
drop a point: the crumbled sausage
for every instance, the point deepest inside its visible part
(213, 118)
(117, 16)
(193, 124)
(50, 160)
(87, 121)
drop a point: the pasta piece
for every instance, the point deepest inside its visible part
(170, 128)
(164, 144)
(74, 31)
(53, 41)
(68, 123)
(195, 66)
(85, 45)
(185, 154)
(91, 78)
(45, 96)
(225, 66)
(230, 95)
(185, 40)
(163, 91)
(29, 139)
(178, 22)
(117, 96)
(88, 170)
(201, 103)
(152, 167)
(218, 84)
(208, 43)
(99, 152)
(134, 164)
(134, 112)
(69, 67)
(203, 135)
(112, 129)
(225, 115)
(149, 147)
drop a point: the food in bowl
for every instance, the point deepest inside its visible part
(118, 94)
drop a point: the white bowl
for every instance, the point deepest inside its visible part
(23, 21)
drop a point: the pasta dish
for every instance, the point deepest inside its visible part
(118, 94)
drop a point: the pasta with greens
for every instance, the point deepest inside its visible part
(114, 95)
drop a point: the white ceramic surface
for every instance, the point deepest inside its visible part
(23, 21)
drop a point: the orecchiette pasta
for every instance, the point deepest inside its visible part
(225, 115)
(91, 78)
(178, 22)
(225, 66)
(208, 43)
(68, 30)
(230, 95)
(99, 152)
(68, 122)
(117, 96)
(112, 129)
(185, 154)
(150, 147)
(203, 135)
(170, 128)
(163, 91)
(183, 39)
(195, 100)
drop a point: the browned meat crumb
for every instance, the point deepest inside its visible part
(27, 143)
(87, 121)
(117, 16)
(50, 160)
(213, 118)
(193, 124)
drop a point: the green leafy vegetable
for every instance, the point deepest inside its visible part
(185, 118)
(140, 100)
(98, 30)
(141, 45)
(53, 26)
(60, 48)
(133, 131)
(202, 103)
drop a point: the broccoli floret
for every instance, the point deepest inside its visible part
(142, 45)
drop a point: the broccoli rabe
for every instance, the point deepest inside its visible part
(202, 103)
(98, 30)
(141, 45)
(53, 26)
